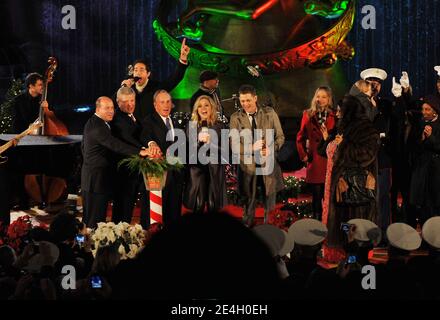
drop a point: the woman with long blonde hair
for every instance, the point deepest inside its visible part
(319, 115)
(206, 183)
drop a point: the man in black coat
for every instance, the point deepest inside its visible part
(208, 87)
(98, 169)
(25, 110)
(145, 88)
(382, 115)
(26, 106)
(128, 129)
(156, 127)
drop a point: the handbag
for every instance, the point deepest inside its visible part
(356, 187)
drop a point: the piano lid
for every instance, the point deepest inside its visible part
(43, 140)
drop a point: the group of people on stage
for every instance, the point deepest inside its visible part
(396, 146)
(140, 125)
(393, 142)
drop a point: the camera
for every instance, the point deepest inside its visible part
(80, 238)
(345, 227)
(96, 282)
(351, 259)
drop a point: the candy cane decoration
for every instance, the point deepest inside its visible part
(155, 206)
(155, 185)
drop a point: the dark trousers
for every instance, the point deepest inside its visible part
(317, 196)
(384, 200)
(249, 184)
(126, 192)
(94, 208)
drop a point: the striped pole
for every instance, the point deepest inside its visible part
(156, 207)
(155, 186)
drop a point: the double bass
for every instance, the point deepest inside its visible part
(41, 188)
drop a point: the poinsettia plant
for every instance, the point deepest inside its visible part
(17, 234)
(129, 239)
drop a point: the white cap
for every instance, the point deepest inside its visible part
(272, 236)
(289, 244)
(431, 232)
(308, 232)
(374, 73)
(37, 261)
(365, 230)
(403, 236)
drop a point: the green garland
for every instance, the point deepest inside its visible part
(6, 107)
(293, 187)
(150, 166)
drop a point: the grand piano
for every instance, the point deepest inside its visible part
(54, 156)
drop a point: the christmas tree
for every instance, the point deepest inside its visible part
(6, 107)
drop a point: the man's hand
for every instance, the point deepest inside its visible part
(396, 89)
(145, 152)
(154, 149)
(404, 80)
(127, 83)
(45, 105)
(184, 51)
(265, 152)
(14, 142)
(258, 145)
(427, 132)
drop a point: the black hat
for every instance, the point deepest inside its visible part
(434, 102)
(208, 75)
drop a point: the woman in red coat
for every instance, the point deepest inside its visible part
(309, 136)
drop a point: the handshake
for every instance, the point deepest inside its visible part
(398, 87)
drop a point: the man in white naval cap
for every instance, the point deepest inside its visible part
(395, 280)
(381, 114)
(363, 236)
(306, 276)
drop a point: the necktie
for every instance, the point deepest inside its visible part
(168, 123)
(132, 117)
(107, 124)
(253, 124)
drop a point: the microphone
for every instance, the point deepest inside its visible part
(135, 79)
(254, 70)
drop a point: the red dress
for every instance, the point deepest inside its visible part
(310, 130)
(330, 254)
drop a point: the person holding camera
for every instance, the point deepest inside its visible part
(319, 115)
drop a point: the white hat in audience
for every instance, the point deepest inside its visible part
(272, 236)
(431, 232)
(38, 260)
(308, 232)
(289, 244)
(374, 74)
(366, 230)
(403, 236)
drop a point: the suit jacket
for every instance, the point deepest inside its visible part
(25, 111)
(266, 119)
(126, 130)
(154, 129)
(144, 99)
(98, 148)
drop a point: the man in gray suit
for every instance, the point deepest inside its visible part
(256, 138)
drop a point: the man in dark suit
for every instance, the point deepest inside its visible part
(98, 169)
(145, 87)
(128, 129)
(155, 129)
